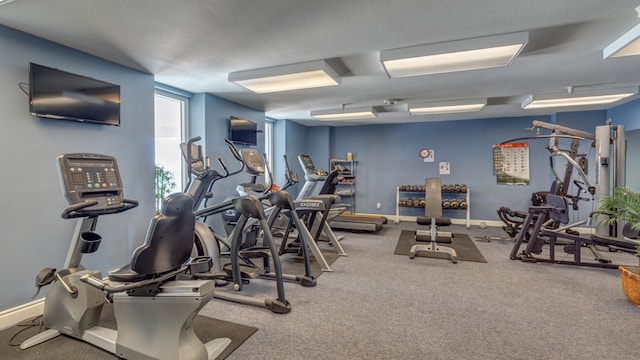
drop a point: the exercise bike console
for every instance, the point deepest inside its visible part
(92, 185)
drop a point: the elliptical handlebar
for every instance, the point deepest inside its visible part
(290, 175)
(234, 150)
(188, 156)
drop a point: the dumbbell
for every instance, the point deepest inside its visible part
(462, 203)
(457, 187)
(454, 203)
(463, 188)
(422, 202)
(446, 203)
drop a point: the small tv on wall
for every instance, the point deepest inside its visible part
(243, 131)
(58, 94)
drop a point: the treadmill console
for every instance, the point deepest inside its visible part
(91, 178)
(310, 171)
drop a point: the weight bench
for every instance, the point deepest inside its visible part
(442, 237)
(433, 218)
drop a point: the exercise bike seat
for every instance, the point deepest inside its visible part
(168, 242)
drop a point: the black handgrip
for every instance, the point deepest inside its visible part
(234, 150)
(73, 210)
(224, 166)
(77, 210)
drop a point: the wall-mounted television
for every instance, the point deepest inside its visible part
(243, 131)
(62, 95)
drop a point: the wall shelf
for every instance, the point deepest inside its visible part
(346, 186)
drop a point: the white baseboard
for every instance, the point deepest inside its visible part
(453, 221)
(10, 317)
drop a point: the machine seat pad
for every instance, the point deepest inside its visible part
(424, 220)
(126, 274)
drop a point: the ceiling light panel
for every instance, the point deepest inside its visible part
(461, 55)
(305, 75)
(447, 107)
(626, 45)
(576, 99)
(343, 114)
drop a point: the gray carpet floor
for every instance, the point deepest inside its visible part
(377, 305)
(66, 348)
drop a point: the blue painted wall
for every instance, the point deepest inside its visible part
(387, 156)
(626, 114)
(33, 234)
(210, 120)
(629, 116)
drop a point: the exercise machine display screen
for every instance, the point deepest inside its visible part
(91, 177)
(307, 164)
(253, 161)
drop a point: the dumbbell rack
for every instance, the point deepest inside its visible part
(449, 192)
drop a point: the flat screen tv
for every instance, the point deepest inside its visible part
(243, 131)
(62, 95)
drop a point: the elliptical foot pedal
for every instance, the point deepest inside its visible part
(246, 271)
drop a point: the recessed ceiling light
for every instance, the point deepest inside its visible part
(627, 44)
(305, 75)
(461, 55)
(342, 114)
(447, 107)
(578, 98)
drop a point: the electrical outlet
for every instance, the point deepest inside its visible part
(378, 206)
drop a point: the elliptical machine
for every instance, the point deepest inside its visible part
(251, 219)
(154, 312)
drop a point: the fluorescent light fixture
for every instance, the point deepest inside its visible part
(461, 55)
(447, 107)
(343, 114)
(311, 74)
(578, 98)
(625, 45)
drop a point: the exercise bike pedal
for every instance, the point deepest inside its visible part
(45, 277)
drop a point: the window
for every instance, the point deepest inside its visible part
(170, 130)
(268, 141)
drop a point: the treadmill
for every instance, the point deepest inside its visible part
(322, 182)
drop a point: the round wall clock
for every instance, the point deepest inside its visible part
(424, 153)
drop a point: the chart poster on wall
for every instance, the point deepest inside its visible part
(444, 168)
(511, 163)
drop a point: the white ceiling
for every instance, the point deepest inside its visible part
(194, 44)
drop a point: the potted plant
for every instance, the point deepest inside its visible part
(164, 185)
(624, 206)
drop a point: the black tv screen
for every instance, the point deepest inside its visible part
(243, 131)
(62, 95)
